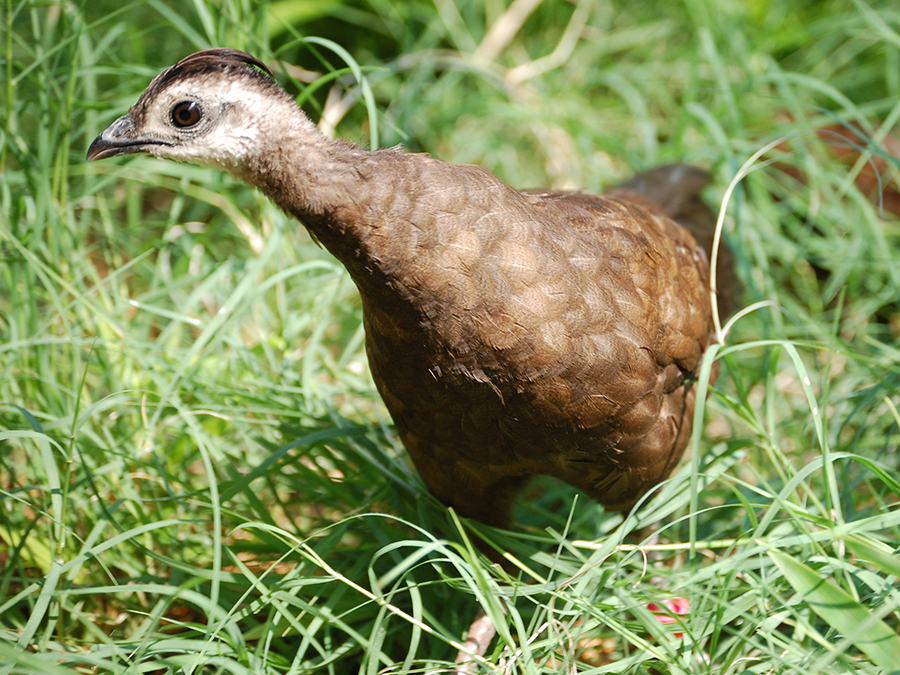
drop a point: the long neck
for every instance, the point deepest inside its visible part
(410, 230)
(327, 185)
(382, 214)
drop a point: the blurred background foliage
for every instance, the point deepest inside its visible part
(196, 469)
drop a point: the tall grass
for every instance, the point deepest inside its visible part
(197, 472)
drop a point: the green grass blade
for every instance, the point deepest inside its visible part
(837, 608)
(875, 553)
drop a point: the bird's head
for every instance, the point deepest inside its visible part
(217, 107)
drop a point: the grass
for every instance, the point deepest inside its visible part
(197, 473)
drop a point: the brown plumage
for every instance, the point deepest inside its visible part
(510, 333)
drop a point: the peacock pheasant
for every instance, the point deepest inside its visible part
(509, 333)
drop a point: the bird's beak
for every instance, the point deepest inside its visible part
(120, 138)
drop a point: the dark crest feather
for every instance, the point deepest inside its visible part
(207, 61)
(215, 59)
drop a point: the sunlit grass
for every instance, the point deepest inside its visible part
(198, 472)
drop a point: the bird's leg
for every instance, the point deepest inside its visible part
(479, 637)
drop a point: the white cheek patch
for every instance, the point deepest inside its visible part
(240, 117)
(230, 144)
(234, 112)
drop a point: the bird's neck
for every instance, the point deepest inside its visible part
(348, 198)
(405, 226)
(307, 175)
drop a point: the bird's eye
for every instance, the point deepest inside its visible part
(186, 114)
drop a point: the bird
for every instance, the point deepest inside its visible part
(510, 333)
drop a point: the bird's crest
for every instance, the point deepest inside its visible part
(205, 62)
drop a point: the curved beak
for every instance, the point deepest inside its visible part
(120, 138)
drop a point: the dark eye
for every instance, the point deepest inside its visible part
(186, 114)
